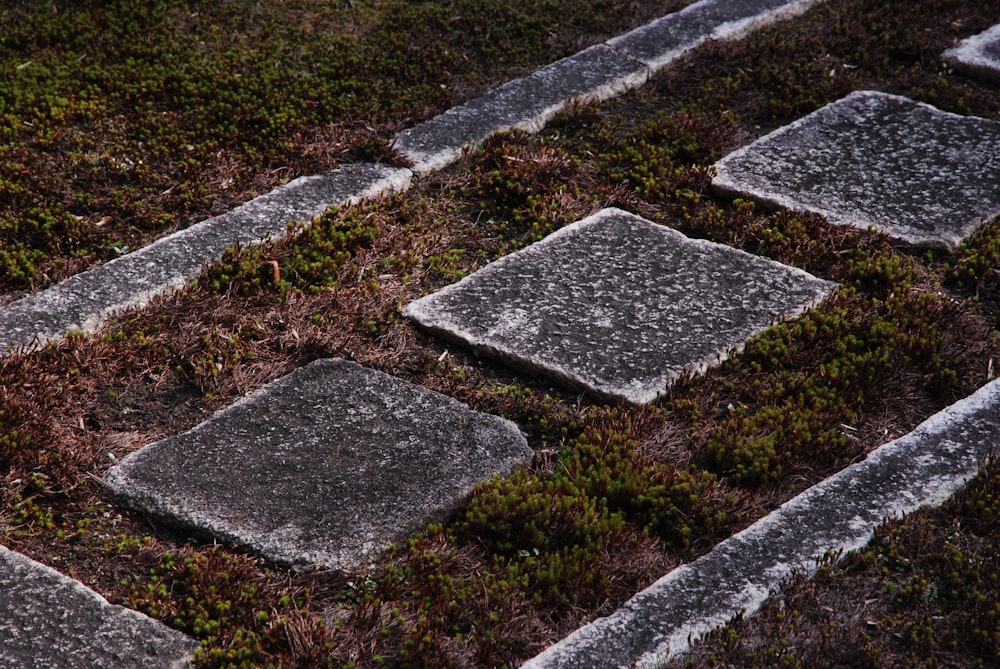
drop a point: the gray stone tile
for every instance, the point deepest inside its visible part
(83, 302)
(659, 43)
(527, 104)
(617, 306)
(923, 176)
(326, 466)
(923, 468)
(48, 620)
(977, 56)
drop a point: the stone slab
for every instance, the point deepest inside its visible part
(596, 73)
(84, 301)
(977, 56)
(48, 620)
(923, 468)
(326, 466)
(921, 175)
(616, 306)
(659, 43)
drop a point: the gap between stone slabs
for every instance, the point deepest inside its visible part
(977, 56)
(326, 466)
(617, 306)
(50, 620)
(921, 175)
(596, 73)
(841, 513)
(86, 300)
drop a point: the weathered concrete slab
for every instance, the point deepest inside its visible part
(326, 466)
(977, 56)
(50, 620)
(84, 301)
(659, 43)
(617, 306)
(923, 468)
(924, 176)
(527, 104)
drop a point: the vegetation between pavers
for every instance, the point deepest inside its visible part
(617, 495)
(121, 121)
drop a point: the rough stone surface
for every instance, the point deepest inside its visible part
(658, 43)
(922, 468)
(617, 306)
(326, 466)
(527, 104)
(84, 301)
(924, 176)
(48, 621)
(978, 56)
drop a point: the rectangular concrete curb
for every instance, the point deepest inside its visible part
(597, 73)
(84, 301)
(922, 468)
(659, 43)
(50, 620)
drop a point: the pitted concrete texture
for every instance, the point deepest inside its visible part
(326, 466)
(978, 56)
(616, 306)
(84, 301)
(923, 468)
(527, 104)
(923, 176)
(48, 621)
(659, 43)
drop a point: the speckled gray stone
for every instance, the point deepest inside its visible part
(527, 104)
(617, 306)
(84, 301)
(977, 56)
(923, 176)
(923, 468)
(50, 621)
(326, 466)
(659, 43)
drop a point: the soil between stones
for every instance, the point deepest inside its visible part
(617, 495)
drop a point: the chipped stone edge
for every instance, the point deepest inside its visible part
(726, 185)
(113, 611)
(969, 56)
(393, 180)
(659, 596)
(421, 312)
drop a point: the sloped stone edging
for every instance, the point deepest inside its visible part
(596, 73)
(84, 301)
(841, 513)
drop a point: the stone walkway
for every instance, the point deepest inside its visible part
(337, 458)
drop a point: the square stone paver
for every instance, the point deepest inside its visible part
(50, 620)
(977, 56)
(617, 306)
(919, 174)
(326, 466)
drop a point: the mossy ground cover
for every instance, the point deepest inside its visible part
(120, 121)
(617, 495)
